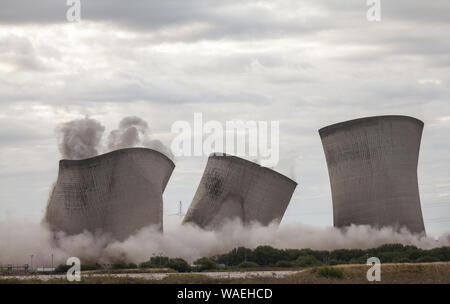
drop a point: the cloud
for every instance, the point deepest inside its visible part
(226, 19)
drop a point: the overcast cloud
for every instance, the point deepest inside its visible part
(306, 64)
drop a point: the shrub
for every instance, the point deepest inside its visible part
(179, 265)
(159, 261)
(387, 257)
(292, 254)
(266, 255)
(426, 259)
(248, 265)
(62, 268)
(132, 265)
(95, 266)
(123, 265)
(307, 261)
(443, 253)
(414, 254)
(206, 264)
(333, 262)
(390, 248)
(401, 260)
(330, 272)
(119, 265)
(234, 257)
(284, 264)
(357, 261)
(346, 254)
(146, 265)
(155, 262)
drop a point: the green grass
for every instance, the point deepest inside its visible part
(330, 272)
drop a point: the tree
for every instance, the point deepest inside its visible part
(206, 264)
(266, 255)
(179, 265)
(307, 261)
(234, 257)
(248, 265)
(285, 264)
(62, 268)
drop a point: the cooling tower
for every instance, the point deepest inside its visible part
(232, 187)
(117, 193)
(372, 164)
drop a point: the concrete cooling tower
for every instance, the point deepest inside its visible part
(372, 164)
(232, 187)
(117, 193)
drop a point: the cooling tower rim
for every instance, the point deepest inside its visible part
(248, 163)
(118, 151)
(350, 123)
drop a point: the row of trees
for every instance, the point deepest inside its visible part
(389, 253)
(266, 256)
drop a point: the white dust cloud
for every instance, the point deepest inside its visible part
(21, 239)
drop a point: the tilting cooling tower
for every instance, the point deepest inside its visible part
(232, 187)
(372, 164)
(116, 193)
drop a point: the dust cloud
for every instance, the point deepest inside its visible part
(82, 138)
(20, 239)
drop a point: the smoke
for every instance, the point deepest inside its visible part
(81, 138)
(190, 242)
(21, 239)
(133, 132)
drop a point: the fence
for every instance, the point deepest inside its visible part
(14, 268)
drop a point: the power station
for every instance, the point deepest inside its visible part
(232, 187)
(116, 193)
(372, 165)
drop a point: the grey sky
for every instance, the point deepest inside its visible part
(305, 63)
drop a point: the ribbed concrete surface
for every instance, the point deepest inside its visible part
(117, 193)
(372, 164)
(233, 187)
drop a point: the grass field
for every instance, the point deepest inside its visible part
(404, 273)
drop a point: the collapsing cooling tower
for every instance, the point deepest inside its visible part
(372, 164)
(117, 193)
(232, 187)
